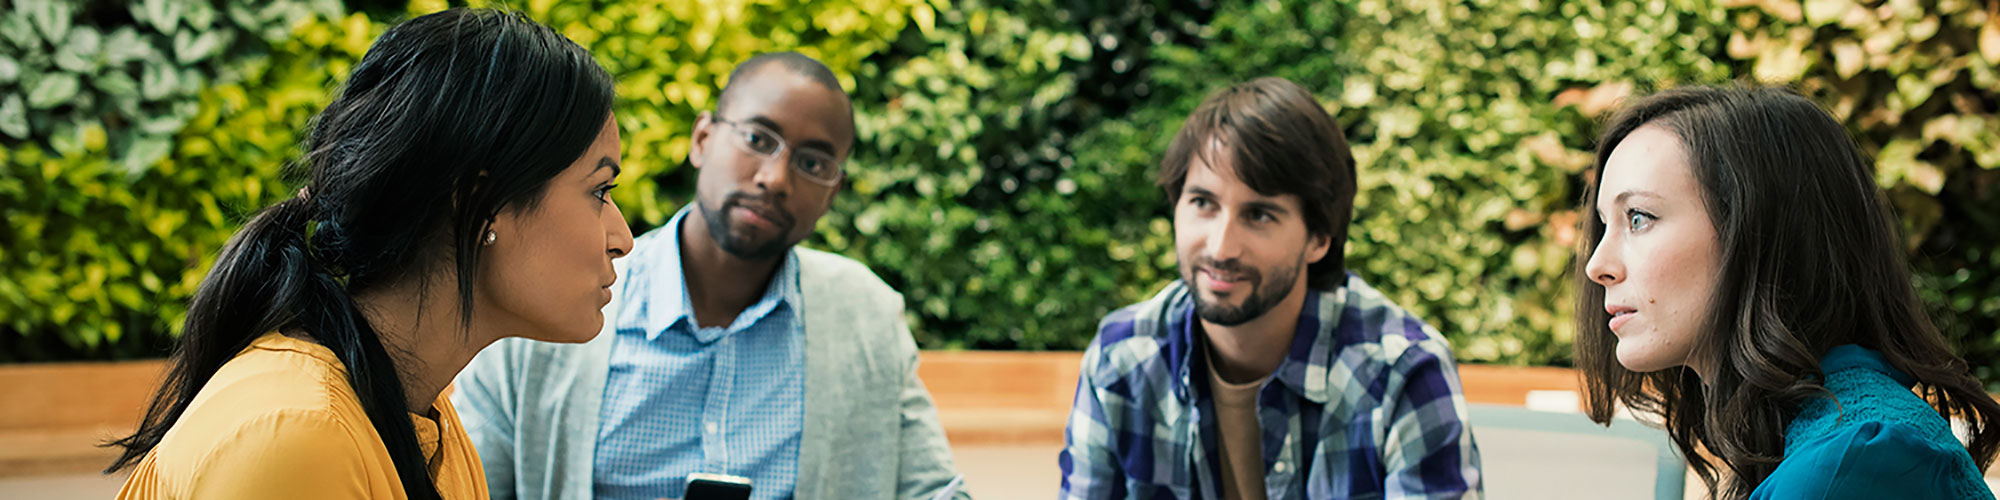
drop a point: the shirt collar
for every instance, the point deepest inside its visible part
(662, 303)
(1850, 356)
(1313, 343)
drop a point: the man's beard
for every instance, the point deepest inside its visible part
(1260, 299)
(744, 247)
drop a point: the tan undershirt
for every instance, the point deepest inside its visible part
(1242, 438)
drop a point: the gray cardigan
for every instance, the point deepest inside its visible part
(870, 429)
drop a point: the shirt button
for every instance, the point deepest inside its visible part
(1279, 468)
(711, 427)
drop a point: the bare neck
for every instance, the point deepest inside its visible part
(424, 338)
(1253, 350)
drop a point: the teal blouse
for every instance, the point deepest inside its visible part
(1873, 439)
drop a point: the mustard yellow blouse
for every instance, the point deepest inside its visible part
(280, 421)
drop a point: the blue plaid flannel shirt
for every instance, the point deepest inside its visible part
(1366, 405)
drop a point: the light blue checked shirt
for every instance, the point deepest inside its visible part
(681, 399)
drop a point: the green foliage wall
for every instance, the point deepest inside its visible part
(1003, 171)
(101, 246)
(72, 70)
(969, 188)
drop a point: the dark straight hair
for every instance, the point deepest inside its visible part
(1281, 142)
(1811, 258)
(449, 119)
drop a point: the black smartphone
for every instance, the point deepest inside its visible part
(717, 487)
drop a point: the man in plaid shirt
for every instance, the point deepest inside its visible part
(1247, 378)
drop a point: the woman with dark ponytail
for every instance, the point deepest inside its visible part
(1744, 281)
(456, 194)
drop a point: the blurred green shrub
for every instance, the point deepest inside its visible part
(97, 261)
(131, 69)
(1003, 173)
(967, 192)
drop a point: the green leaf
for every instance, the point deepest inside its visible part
(52, 90)
(164, 14)
(200, 15)
(80, 54)
(1848, 58)
(158, 80)
(243, 15)
(116, 84)
(20, 32)
(86, 335)
(1782, 63)
(68, 139)
(162, 123)
(1824, 12)
(1989, 39)
(1914, 89)
(10, 70)
(329, 9)
(52, 18)
(14, 117)
(146, 151)
(189, 48)
(114, 331)
(925, 17)
(191, 83)
(125, 46)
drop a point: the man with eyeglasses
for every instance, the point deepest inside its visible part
(727, 350)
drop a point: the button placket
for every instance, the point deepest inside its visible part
(715, 410)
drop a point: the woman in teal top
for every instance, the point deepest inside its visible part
(1744, 281)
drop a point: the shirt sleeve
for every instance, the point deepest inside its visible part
(303, 455)
(1089, 467)
(1869, 460)
(1428, 451)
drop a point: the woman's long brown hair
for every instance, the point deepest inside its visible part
(1811, 258)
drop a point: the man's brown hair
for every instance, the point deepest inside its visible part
(1281, 142)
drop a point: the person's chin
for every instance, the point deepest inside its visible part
(748, 233)
(755, 246)
(1211, 299)
(1638, 358)
(575, 333)
(753, 235)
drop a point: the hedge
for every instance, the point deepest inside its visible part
(1002, 176)
(108, 228)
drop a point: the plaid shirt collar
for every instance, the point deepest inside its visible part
(1313, 340)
